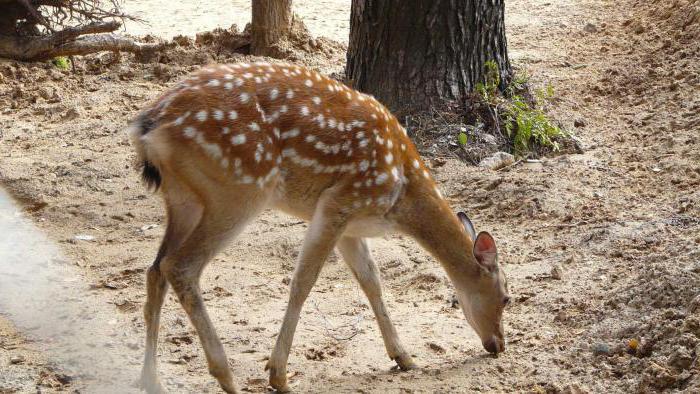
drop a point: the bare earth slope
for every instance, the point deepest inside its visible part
(621, 222)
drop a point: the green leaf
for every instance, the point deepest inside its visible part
(462, 138)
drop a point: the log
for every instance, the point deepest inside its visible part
(68, 42)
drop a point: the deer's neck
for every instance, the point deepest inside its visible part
(430, 221)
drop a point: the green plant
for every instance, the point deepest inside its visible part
(524, 121)
(488, 90)
(462, 138)
(61, 62)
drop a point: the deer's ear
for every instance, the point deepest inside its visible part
(485, 251)
(467, 225)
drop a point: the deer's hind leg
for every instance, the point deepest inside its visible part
(207, 227)
(184, 215)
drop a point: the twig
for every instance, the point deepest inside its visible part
(510, 165)
(561, 226)
(329, 327)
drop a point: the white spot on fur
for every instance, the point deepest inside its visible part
(245, 97)
(290, 134)
(190, 132)
(254, 126)
(201, 116)
(381, 178)
(416, 164)
(274, 93)
(238, 139)
(218, 114)
(182, 118)
(316, 100)
(389, 158)
(364, 165)
(395, 173)
(233, 115)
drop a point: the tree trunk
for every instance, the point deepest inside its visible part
(413, 55)
(272, 20)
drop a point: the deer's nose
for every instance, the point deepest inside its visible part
(495, 345)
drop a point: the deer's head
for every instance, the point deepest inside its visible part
(484, 300)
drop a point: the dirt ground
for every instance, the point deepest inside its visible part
(602, 249)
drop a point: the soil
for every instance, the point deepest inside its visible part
(602, 249)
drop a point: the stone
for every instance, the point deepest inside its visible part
(497, 160)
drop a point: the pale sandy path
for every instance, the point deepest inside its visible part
(329, 18)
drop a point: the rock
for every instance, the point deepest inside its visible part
(84, 237)
(579, 122)
(435, 347)
(14, 360)
(148, 227)
(680, 358)
(56, 75)
(556, 272)
(601, 349)
(694, 304)
(73, 113)
(590, 28)
(162, 71)
(497, 160)
(46, 92)
(658, 377)
(125, 73)
(489, 139)
(575, 388)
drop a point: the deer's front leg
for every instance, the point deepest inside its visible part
(356, 254)
(324, 230)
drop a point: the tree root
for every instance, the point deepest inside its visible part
(67, 42)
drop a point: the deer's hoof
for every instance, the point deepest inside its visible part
(150, 383)
(405, 362)
(278, 378)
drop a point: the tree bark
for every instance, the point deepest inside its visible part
(414, 55)
(272, 20)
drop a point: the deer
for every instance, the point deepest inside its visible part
(231, 140)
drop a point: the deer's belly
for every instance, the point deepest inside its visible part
(369, 227)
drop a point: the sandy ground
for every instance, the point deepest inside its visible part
(621, 222)
(328, 18)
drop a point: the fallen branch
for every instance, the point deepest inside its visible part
(68, 42)
(37, 30)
